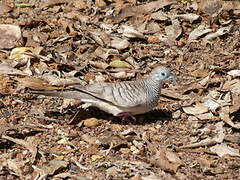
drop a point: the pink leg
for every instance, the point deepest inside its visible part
(126, 115)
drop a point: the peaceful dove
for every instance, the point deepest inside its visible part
(123, 99)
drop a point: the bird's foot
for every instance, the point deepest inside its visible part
(126, 116)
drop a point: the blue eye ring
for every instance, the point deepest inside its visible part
(163, 74)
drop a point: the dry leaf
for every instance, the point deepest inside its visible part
(188, 17)
(50, 3)
(96, 157)
(99, 64)
(225, 116)
(210, 6)
(173, 31)
(36, 84)
(160, 16)
(105, 53)
(199, 31)
(10, 36)
(6, 85)
(18, 53)
(6, 69)
(119, 43)
(234, 73)
(130, 32)
(235, 104)
(167, 161)
(223, 149)
(30, 145)
(92, 122)
(196, 109)
(219, 32)
(218, 138)
(206, 116)
(51, 167)
(142, 9)
(123, 75)
(119, 64)
(212, 104)
(4, 9)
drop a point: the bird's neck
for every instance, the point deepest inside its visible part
(153, 91)
(154, 82)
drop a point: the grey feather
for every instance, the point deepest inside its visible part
(135, 97)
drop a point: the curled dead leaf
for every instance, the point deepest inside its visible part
(173, 31)
(199, 31)
(196, 109)
(223, 149)
(10, 36)
(92, 122)
(130, 32)
(36, 84)
(234, 73)
(119, 43)
(119, 64)
(219, 32)
(6, 69)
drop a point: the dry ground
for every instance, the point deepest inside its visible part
(192, 134)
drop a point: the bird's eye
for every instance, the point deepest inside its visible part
(163, 74)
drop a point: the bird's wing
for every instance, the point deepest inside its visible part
(123, 94)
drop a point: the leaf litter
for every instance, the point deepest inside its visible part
(192, 134)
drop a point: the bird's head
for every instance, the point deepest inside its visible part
(162, 74)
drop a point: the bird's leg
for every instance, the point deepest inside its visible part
(126, 115)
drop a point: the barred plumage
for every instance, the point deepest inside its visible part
(135, 97)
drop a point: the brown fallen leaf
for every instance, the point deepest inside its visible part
(18, 53)
(96, 157)
(10, 36)
(104, 53)
(51, 167)
(219, 32)
(36, 84)
(4, 8)
(130, 32)
(6, 85)
(30, 145)
(99, 64)
(123, 75)
(210, 6)
(119, 43)
(80, 4)
(223, 149)
(166, 160)
(200, 73)
(119, 64)
(50, 3)
(224, 114)
(196, 109)
(173, 31)
(199, 31)
(92, 122)
(205, 164)
(16, 166)
(142, 9)
(235, 104)
(188, 17)
(218, 138)
(160, 16)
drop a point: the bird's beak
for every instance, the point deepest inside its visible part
(172, 78)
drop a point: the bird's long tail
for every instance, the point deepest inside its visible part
(69, 94)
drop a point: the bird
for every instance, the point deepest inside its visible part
(122, 99)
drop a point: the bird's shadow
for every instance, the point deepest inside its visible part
(146, 118)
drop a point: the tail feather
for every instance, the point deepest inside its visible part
(63, 94)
